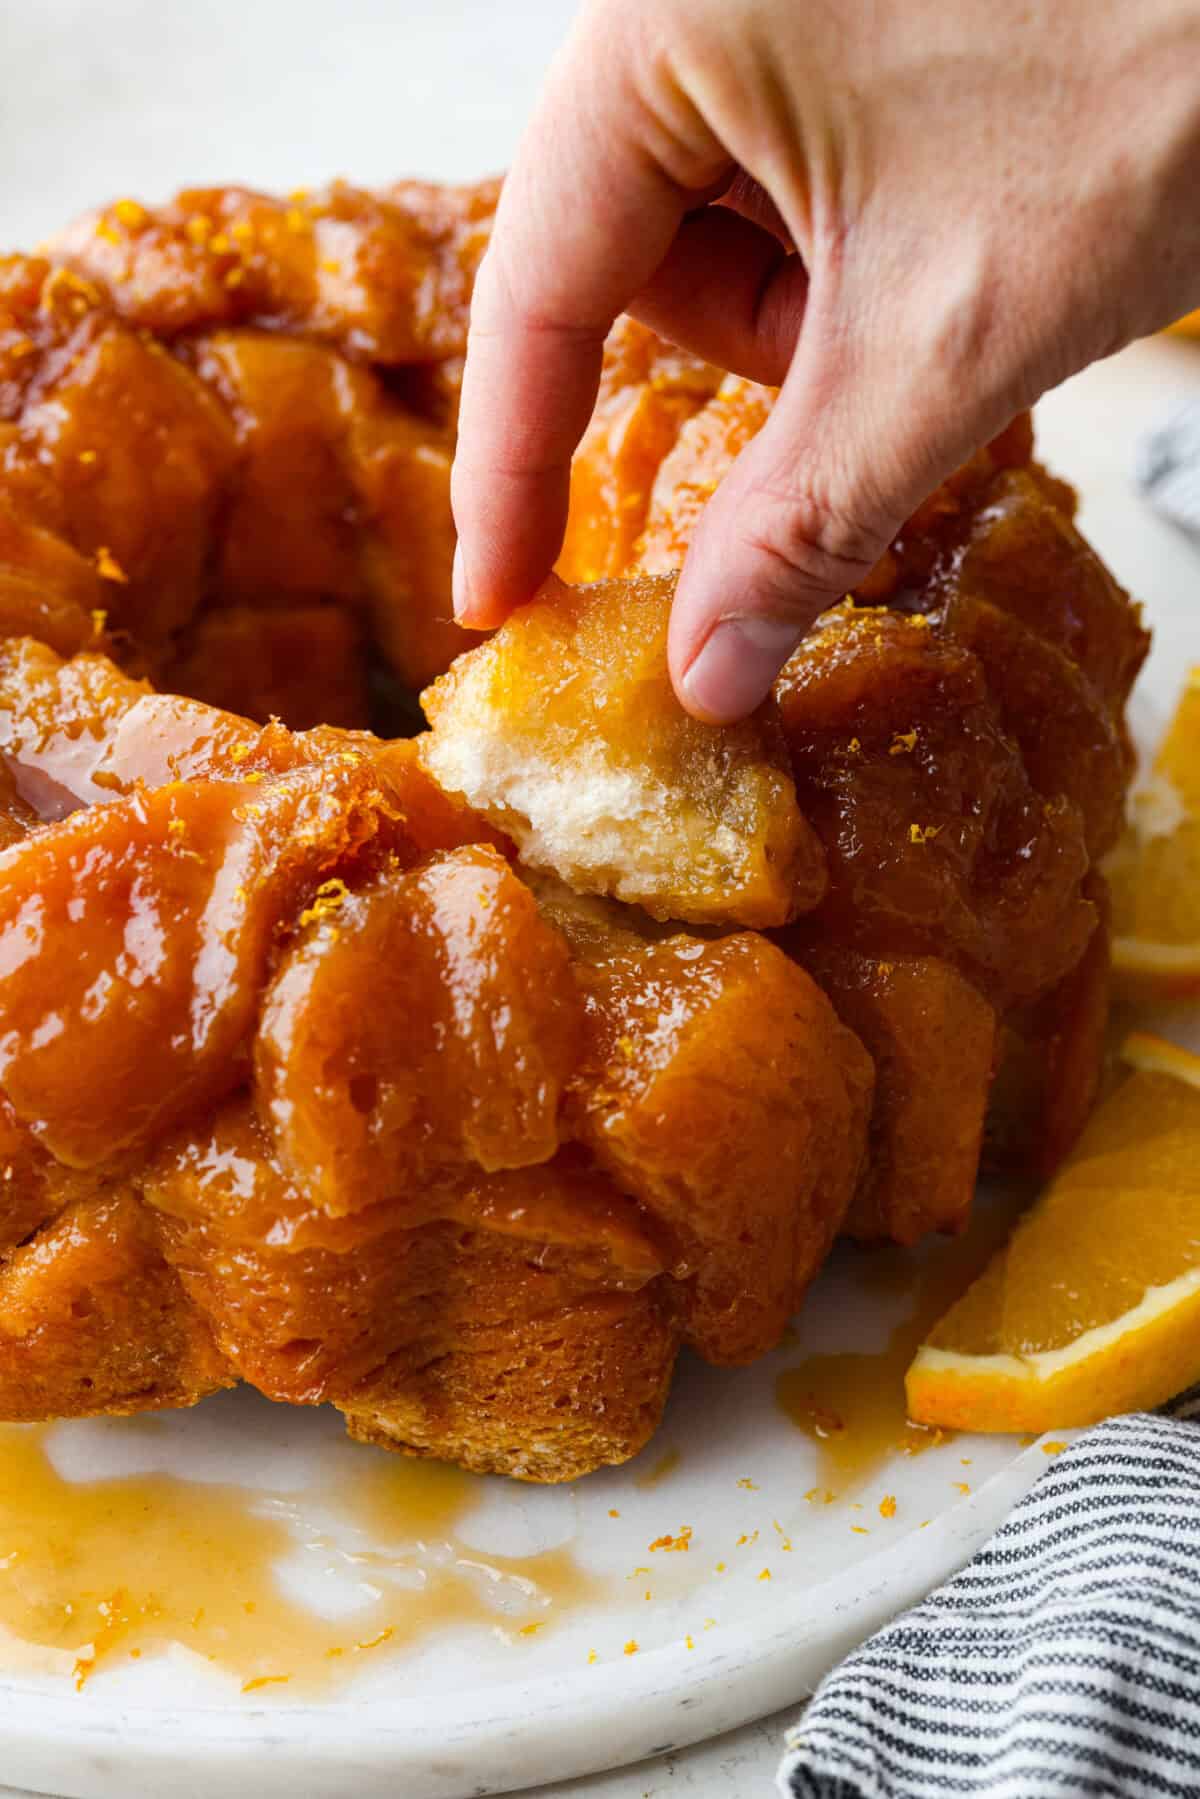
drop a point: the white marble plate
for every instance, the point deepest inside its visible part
(480, 1708)
(121, 96)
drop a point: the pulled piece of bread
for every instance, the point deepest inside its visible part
(564, 730)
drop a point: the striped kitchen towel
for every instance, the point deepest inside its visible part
(1167, 466)
(1063, 1660)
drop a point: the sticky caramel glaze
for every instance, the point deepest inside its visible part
(308, 1307)
(176, 893)
(938, 841)
(718, 1087)
(426, 1020)
(851, 1404)
(263, 458)
(932, 1039)
(649, 389)
(386, 276)
(80, 731)
(664, 1467)
(96, 1572)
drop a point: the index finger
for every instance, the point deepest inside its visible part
(586, 215)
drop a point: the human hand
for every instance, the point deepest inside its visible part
(913, 217)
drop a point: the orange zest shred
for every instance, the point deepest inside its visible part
(682, 1542)
(326, 900)
(107, 566)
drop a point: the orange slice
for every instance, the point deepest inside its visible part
(1189, 324)
(1154, 873)
(1093, 1305)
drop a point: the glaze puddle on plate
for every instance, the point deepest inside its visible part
(297, 1565)
(490, 1634)
(94, 1571)
(851, 1404)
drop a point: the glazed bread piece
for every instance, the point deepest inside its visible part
(392, 1050)
(563, 729)
(1018, 548)
(959, 819)
(93, 1320)
(707, 443)
(384, 275)
(932, 1039)
(305, 664)
(716, 1086)
(937, 839)
(1051, 1061)
(553, 1388)
(328, 477)
(341, 495)
(171, 900)
(518, 1323)
(649, 390)
(48, 590)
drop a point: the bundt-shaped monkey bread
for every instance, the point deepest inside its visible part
(458, 1079)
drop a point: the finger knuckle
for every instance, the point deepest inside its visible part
(817, 546)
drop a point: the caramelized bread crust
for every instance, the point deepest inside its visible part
(458, 1081)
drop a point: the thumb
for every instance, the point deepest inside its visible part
(860, 435)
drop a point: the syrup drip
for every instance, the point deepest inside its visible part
(852, 1404)
(98, 1571)
(663, 1468)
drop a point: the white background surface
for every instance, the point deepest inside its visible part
(103, 97)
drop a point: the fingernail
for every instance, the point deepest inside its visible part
(736, 666)
(459, 591)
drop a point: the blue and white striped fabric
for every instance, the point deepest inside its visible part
(1063, 1660)
(1167, 467)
